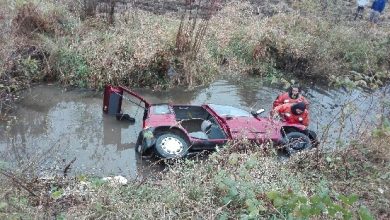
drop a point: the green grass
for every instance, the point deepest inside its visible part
(72, 68)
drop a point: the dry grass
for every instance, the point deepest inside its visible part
(310, 46)
(186, 189)
(301, 39)
(224, 185)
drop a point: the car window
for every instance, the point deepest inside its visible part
(161, 109)
(224, 110)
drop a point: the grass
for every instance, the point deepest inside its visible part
(239, 181)
(311, 46)
(306, 41)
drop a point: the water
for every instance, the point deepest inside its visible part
(55, 126)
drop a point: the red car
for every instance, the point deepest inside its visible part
(171, 130)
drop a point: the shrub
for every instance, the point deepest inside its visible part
(30, 20)
(71, 68)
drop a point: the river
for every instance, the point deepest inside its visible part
(54, 126)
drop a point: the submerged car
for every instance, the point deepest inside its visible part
(173, 130)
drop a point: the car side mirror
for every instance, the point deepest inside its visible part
(258, 112)
(229, 117)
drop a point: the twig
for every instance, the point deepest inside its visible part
(12, 177)
(68, 167)
(141, 183)
(272, 205)
(220, 208)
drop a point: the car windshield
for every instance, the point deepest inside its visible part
(224, 110)
(161, 109)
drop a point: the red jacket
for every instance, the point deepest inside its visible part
(285, 112)
(284, 98)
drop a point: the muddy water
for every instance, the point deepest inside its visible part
(53, 127)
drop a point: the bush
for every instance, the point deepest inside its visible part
(71, 68)
(32, 19)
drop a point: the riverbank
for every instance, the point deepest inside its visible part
(304, 40)
(239, 181)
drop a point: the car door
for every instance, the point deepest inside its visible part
(113, 97)
(253, 128)
(239, 123)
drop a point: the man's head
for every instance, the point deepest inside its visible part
(294, 91)
(298, 108)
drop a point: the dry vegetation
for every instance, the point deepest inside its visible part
(304, 43)
(240, 181)
(304, 39)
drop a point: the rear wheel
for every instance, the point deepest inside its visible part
(171, 146)
(297, 141)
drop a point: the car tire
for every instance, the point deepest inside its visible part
(170, 146)
(297, 141)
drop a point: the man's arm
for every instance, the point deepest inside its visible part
(275, 111)
(277, 101)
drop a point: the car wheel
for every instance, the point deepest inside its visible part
(297, 141)
(171, 146)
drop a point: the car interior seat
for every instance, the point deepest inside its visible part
(205, 128)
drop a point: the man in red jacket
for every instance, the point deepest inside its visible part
(293, 113)
(291, 96)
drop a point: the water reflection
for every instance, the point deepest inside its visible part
(112, 133)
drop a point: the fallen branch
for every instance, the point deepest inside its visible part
(67, 168)
(12, 177)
